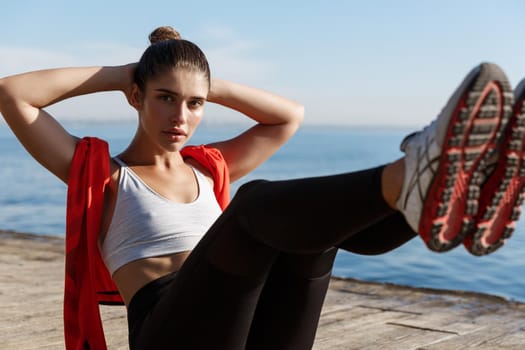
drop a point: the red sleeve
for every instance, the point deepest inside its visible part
(212, 159)
(87, 281)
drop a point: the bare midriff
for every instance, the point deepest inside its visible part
(136, 274)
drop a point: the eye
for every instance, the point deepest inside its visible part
(166, 98)
(196, 103)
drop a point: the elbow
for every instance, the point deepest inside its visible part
(294, 120)
(3, 94)
(8, 94)
(297, 117)
(300, 114)
(6, 99)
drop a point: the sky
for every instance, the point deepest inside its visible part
(374, 62)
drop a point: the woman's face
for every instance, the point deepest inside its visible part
(172, 107)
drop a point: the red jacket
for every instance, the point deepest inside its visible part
(87, 281)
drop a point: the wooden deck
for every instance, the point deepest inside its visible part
(356, 315)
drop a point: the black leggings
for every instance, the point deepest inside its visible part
(258, 278)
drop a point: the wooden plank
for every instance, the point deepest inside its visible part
(502, 338)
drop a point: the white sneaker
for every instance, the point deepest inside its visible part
(444, 162)
(502, 194)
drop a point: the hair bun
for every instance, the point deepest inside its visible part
(163, 33)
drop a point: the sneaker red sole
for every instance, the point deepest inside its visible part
(474, 132)
(502, 196)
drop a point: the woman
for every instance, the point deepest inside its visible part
(257, 274)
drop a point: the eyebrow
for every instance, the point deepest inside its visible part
(168, 91)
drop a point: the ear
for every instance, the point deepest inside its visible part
(135, 97)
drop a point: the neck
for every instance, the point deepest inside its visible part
(142, 153)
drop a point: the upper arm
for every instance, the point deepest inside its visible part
(42, 136)
(250, 149)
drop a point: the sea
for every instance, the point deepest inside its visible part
(32, 200)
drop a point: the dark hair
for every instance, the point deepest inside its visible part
(167, 51)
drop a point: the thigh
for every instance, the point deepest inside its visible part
(312, 215)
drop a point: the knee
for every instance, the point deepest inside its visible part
(308, 265)
(249, 190)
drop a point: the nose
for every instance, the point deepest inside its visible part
(179, 114)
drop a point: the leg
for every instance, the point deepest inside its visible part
(290, 304)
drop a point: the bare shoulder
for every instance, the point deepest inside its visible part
(114, 173)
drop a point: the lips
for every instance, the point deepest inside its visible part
(175, 131)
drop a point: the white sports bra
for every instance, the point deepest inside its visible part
(146, 224)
